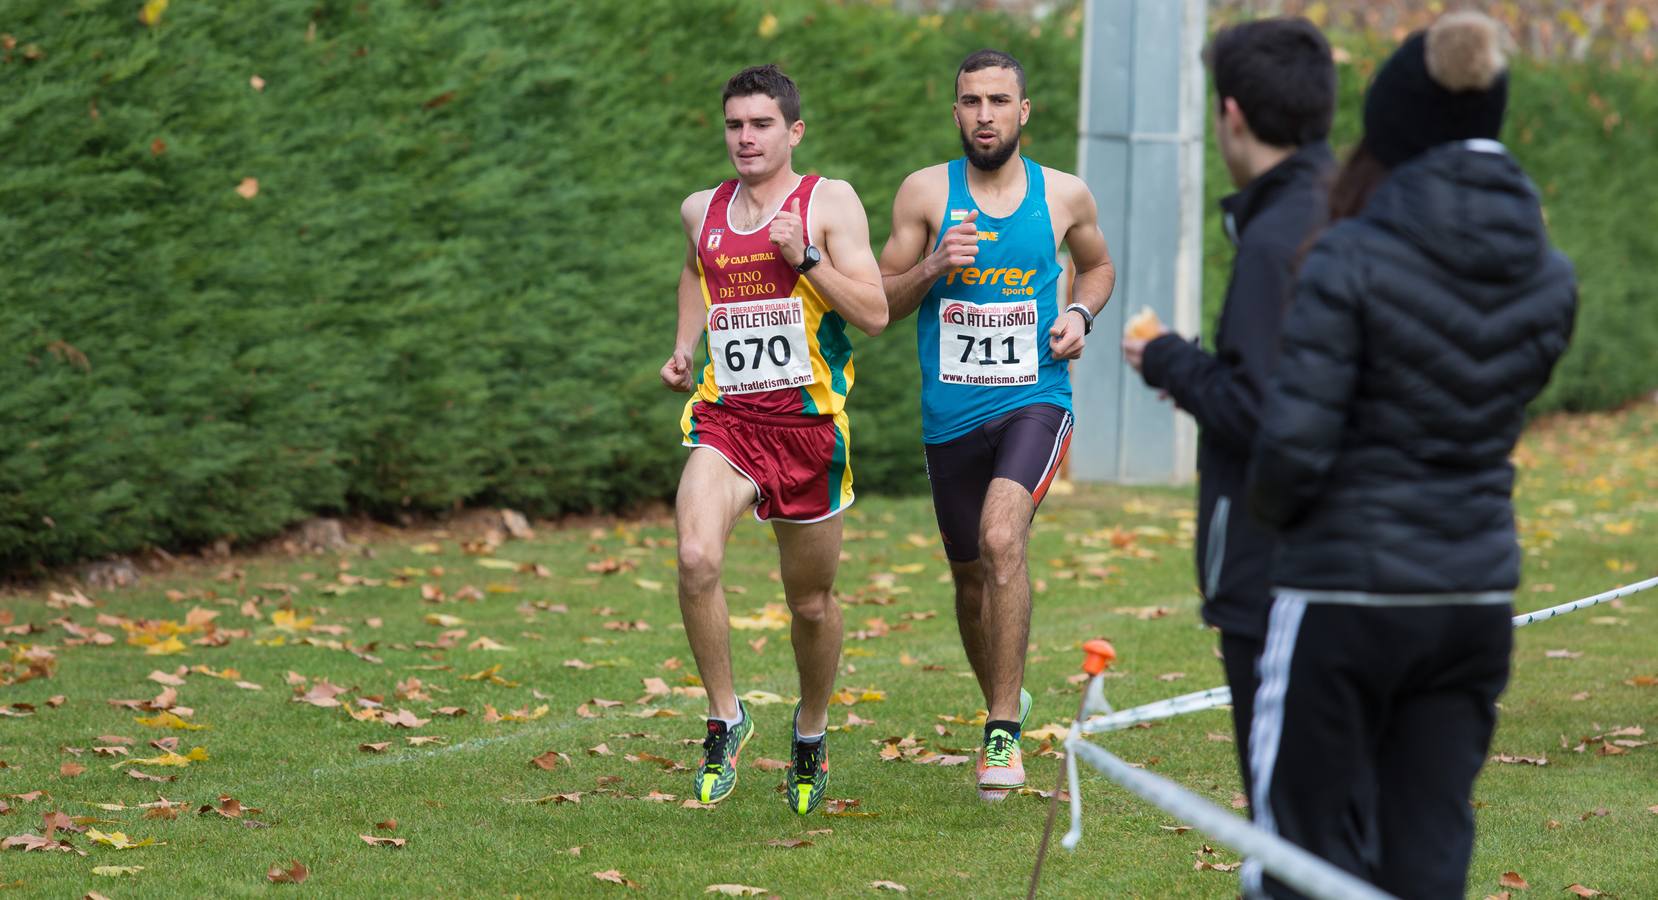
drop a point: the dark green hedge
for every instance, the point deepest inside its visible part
(456, 281)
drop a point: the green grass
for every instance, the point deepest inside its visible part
(1585, 482)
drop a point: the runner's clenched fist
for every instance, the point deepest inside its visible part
(958, 248)
(788, 232)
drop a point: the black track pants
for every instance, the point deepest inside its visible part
(1371, 724)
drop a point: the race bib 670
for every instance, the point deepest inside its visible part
(759, 345)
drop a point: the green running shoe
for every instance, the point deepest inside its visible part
(720, 751)
(808, 775)
(1024, 708)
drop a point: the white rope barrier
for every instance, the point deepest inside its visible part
(1288, 863)
(1543, 615)
(1162, 709)
(1198, 701)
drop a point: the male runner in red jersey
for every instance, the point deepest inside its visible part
(777, 265)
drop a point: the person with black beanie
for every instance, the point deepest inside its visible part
(1425, 319)
(1275, 91)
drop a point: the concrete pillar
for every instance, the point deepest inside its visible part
(1142, 117)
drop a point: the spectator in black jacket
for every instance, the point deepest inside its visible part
(1276, 86)
(1426, 318)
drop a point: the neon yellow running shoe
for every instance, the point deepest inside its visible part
(808, 775)
(717, 775)
(1025, 704)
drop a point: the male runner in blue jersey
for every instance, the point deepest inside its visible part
(974, 247)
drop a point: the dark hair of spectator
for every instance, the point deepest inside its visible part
(1357, 179)
(1282, 76)
(768, 80)
(991, 59)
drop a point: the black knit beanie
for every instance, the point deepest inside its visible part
(1448, 83)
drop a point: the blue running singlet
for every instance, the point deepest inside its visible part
(982, 330)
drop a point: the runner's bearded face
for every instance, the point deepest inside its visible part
(757, 139)
(991, 113)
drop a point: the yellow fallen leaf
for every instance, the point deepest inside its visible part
(151, 12)
(773, 617)
(169, 758)
(443, 621)
(909, 568)
(289, 621)
(117, 840)
(490, 675)
(169, 720)
(763, 698)
(766, 29)
(116, 871)
(166, 648)
(1625, 527)
(226, 674)
(504, 565)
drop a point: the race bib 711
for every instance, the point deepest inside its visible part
(987, 344)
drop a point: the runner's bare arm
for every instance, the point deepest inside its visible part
(676, 372)
(906, 279)
(848, 277)
(1095, 278)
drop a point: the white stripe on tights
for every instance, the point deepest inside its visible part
(1283, 625)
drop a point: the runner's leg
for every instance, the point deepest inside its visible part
(712, 495)
(959, 471)
(969, 580)
(1004, 533)
(809, 555)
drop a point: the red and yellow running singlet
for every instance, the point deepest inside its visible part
(774, 345)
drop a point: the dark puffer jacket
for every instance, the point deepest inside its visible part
(1419, 332)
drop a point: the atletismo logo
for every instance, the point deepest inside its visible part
(955, 314)
(719, 319)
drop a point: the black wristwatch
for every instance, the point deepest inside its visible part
(1087, 317)
(812, 258)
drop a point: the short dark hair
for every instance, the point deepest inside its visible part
(768, 80)
(1282, 76)
(990, 59)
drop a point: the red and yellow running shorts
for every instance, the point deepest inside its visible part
(799, 465)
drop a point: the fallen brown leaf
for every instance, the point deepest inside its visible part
(889, 886)
(1521, 760)
(615, 877)
(296, 873)
(788, 843)
(1513, 880)
(546, 761)
(1582, 891)
(378, 747)
(374, 841)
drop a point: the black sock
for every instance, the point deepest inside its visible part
(998, 724)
